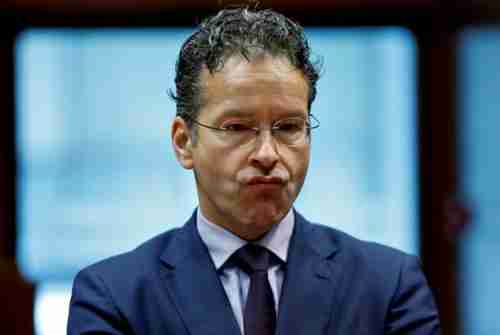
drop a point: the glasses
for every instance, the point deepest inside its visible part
(290, 131)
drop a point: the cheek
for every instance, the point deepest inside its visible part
(218, 167)
(298, 163)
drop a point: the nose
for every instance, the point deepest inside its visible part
(265, 154)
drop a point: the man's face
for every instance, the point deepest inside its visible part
(246, 188)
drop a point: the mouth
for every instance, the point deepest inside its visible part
(265, 180)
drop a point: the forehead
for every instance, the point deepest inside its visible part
(262, 84)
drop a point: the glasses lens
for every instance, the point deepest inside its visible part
(290, 131)
(239, 132)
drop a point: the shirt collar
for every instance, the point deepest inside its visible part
(222, 243)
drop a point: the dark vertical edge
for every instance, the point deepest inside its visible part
(7, 146)
(437, 136)
(15, 293)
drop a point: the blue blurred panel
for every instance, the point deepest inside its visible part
(97, 175)
(479, 100)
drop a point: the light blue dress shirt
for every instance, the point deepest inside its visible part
(222, 243)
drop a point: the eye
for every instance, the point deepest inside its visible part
(236, 126)
(290, 125)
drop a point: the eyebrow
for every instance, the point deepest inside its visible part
(236, 113)
(243, 113)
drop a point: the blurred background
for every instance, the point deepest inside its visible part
(405, 155)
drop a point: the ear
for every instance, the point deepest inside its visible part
(182, 143)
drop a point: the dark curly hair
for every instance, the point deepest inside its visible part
(241, 31)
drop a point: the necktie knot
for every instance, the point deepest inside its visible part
(253, 258)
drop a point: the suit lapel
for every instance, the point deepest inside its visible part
(312, 276)
(194, 286)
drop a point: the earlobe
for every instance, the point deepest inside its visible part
(181, 142)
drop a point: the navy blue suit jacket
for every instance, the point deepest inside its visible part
(334, 284)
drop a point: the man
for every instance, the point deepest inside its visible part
(246, 262)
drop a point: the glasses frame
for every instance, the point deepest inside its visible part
(309, 127)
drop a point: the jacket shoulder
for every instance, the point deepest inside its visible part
(132, 264)
(116, 292)
(381, 262)
(354, 245)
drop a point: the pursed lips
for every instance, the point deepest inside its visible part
(265, 180)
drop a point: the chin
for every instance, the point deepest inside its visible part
(266, 214)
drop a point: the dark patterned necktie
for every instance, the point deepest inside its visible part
(259, 315)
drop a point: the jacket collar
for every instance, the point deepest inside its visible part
(308, 297)
(188, 244)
